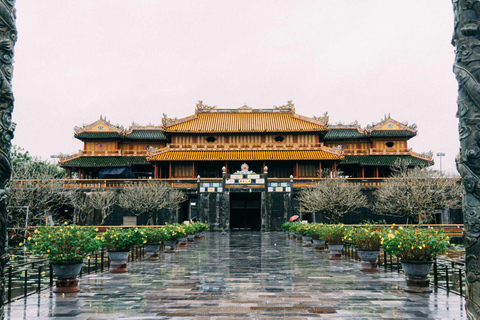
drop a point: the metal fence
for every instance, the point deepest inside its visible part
(446, 274)
(22, 280)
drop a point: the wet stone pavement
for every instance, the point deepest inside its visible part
(241, 275)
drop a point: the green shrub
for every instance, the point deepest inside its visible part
(117, 239)
(415, 243)
(154, 235)
(335, 233)
(68, 243)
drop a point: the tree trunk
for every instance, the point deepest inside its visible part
(466, 39)
(8, 37)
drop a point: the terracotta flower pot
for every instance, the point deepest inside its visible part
(369, 259)
(417, 276)
(67, 273)
(335, 251)
(118, 261)
(151, 251)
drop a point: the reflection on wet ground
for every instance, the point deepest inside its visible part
(249, 275)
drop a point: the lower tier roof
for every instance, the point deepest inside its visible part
(92, 162)
(388, 160)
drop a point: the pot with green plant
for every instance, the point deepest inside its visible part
(154, 237)
(118, 242)
(319, 232)
(190, 230)
(335, 235)
(307, 234)
(173, 233)
(65, 247)
(416, 247)
(367, 240)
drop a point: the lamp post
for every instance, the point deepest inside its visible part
(440, 155)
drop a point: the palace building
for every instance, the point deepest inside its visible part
(203, 154)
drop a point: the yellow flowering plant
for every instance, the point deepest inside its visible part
(335, 233)
(118, 239)
(154, 235)
(415, 243)
(62, 244)
(367, 237)
(319, 231)
(174, 231)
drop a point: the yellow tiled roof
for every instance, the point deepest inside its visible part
(207, 155)
(253, 121)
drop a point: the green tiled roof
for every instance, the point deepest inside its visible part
(104, 162)
(392, 133)
(382, 160)
(146, 135)
(343, 134)
(98, 135)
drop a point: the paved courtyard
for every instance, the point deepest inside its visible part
(242, 275)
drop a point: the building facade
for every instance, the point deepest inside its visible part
(227, 160)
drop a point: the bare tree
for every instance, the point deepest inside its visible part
(150, 197)
(417, 192)
(104, 201)
(82, 204)
(333, 197)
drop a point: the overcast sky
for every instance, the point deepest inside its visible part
(135, 60)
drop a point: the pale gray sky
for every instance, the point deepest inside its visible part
(134, 60)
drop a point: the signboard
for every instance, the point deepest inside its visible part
(244, 178)
(211, 187)
(279, 187)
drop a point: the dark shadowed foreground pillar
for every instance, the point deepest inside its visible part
(8, 37)
(466, 39)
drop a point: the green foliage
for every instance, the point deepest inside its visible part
(201, 226)
(318, 231)
(335, 233)
(415, 243)
(117, 239)
(368, 237)
(174, 231)
(286, 226)
(189, 228)
(67, 243)
(154, 235)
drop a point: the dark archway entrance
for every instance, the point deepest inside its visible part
(245, 211)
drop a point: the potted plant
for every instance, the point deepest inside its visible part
(173, 232)
(190, 230)
(416, 247)
(367, 240)
(319, 232)
(154, 237)
(335, 235)
(307, 234)
(118, 242)
(65, 247)
(202, 227)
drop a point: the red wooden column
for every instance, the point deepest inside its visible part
(160, 173)
(334, 169)
(193, 170)
(296, 169)
(319, 169)
(376, 172)
(155, 174)
(363, 172)
(170, 170)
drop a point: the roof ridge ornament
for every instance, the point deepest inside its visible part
(167, 121)
(290, 106)
(202, 107)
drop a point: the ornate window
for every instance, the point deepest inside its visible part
(211, 139)
(279, 138)
(389, 144)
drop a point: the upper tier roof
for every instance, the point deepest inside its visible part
(245, 119)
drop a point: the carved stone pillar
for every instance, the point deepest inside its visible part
(8, 37)
(466, 39)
